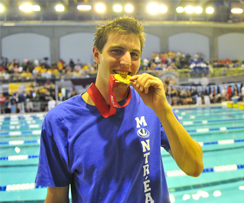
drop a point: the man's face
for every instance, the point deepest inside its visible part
(120, 55)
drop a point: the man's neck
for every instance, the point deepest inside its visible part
(120, 94)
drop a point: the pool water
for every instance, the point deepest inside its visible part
(220, 131)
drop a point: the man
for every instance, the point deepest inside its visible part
(113, 154)
(29, 102)
(51, 103)
(2, 103)
(21, 101)
(242, 92)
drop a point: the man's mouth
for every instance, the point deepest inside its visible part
(122, 73)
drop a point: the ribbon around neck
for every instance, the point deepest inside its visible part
(100, 102)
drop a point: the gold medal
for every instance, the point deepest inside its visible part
(123, 79)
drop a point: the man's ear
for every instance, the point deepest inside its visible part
(96, 54)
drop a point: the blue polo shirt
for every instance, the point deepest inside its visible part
(115, 159)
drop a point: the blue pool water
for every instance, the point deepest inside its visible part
(220, 131)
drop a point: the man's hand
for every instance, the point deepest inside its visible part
(151, 90)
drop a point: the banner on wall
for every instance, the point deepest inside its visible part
(20, 87)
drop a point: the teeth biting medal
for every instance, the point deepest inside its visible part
(122, 78)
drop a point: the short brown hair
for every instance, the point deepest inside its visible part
(122, 25)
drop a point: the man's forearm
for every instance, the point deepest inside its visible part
(186, 151)
(57, 195)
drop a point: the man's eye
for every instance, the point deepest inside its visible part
(117, 51)
(133, 54)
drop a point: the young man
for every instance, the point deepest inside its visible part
(113, 154)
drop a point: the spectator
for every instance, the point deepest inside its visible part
(53, 71)
(199, 96)
(60, 65)
(51, 103)
(44, 73)
(36, 101)
(29, 102)
(47, 97)
(182, 97)
(177, 60)
(242, 92)
(213, 95)
(174, 96)
(7, 105)
(20, 98)
(188, 59)
(146, 63)
(206, 96)
(171, 66)
(77, 66)
(26, 74)
(189, 99)
(76, 73)
(63, 73)
(4, 75)
(2, 103)
(229, 93)
(236, 90)
(69, 73)
(223, 93)
(13, 103)
(71, 64)
(157, 59)
(194, 95)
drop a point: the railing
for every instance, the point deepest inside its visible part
(182, 73)
(17, 78)
(215, 72)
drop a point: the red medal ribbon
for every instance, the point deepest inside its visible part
(100, 102)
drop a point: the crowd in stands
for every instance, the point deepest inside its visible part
(42, 96)
(196, 65)
(199, 95)
(169, 61)
(38, 99)
(16, 70)
(178, 60)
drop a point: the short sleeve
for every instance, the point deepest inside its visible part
(53, 167)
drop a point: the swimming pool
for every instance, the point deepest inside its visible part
(219, 130)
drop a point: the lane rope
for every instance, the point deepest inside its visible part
(38, 132)
(210, 121)
(28, 186)
(22, 142)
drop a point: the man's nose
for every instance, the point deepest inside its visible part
(126, 59)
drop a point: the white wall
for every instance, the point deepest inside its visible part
(231, 46)
(26, 46)
(152, 45)
(77, 46)
(191, 43)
